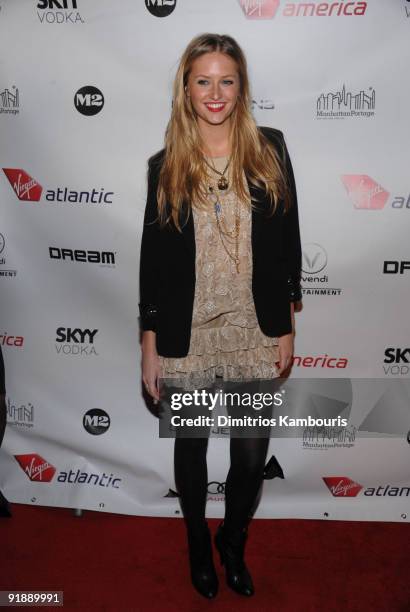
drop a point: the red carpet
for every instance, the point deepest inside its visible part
(110, 562)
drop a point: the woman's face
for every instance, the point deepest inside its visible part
(213, 85)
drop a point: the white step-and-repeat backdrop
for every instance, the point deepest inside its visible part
(85, 96)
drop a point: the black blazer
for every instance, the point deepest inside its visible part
(167, 264)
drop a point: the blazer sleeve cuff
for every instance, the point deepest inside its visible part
(294, 289)
(148, 316)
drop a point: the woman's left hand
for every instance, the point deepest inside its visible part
(286, 345)
(285, 352)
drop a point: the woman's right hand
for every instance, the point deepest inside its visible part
(151, 367)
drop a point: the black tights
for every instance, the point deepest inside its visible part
(243, 482)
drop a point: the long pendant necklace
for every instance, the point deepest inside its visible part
(223, 181)
(223, 231)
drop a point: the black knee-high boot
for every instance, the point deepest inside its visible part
(245, 477)
(243, 483)
(191, 478)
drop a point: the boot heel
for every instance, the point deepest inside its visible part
(203, 574)
(231, 554)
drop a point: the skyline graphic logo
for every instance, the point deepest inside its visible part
(20, 414)
(25, 187)
(344, 103)
(364, 192)
(342, 486)
(9, 101)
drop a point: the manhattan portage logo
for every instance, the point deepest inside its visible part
(20, 414)
(344, 103)
(9, 101)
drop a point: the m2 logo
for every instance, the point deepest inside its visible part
(89, 100)
(160, 8)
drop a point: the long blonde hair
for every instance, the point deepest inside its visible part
(183, 171)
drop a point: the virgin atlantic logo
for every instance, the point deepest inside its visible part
(35, 467)
(341, 486)
(267, 9)
(364, 191)
(259, 9)
(25, 187)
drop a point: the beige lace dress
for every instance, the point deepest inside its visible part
(226, 339)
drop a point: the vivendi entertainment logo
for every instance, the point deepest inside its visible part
(364, 191)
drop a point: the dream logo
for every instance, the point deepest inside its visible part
(396, 267)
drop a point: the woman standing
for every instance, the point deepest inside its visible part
(4, 504)
(219, 274)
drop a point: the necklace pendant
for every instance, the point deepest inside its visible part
(222, 183)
